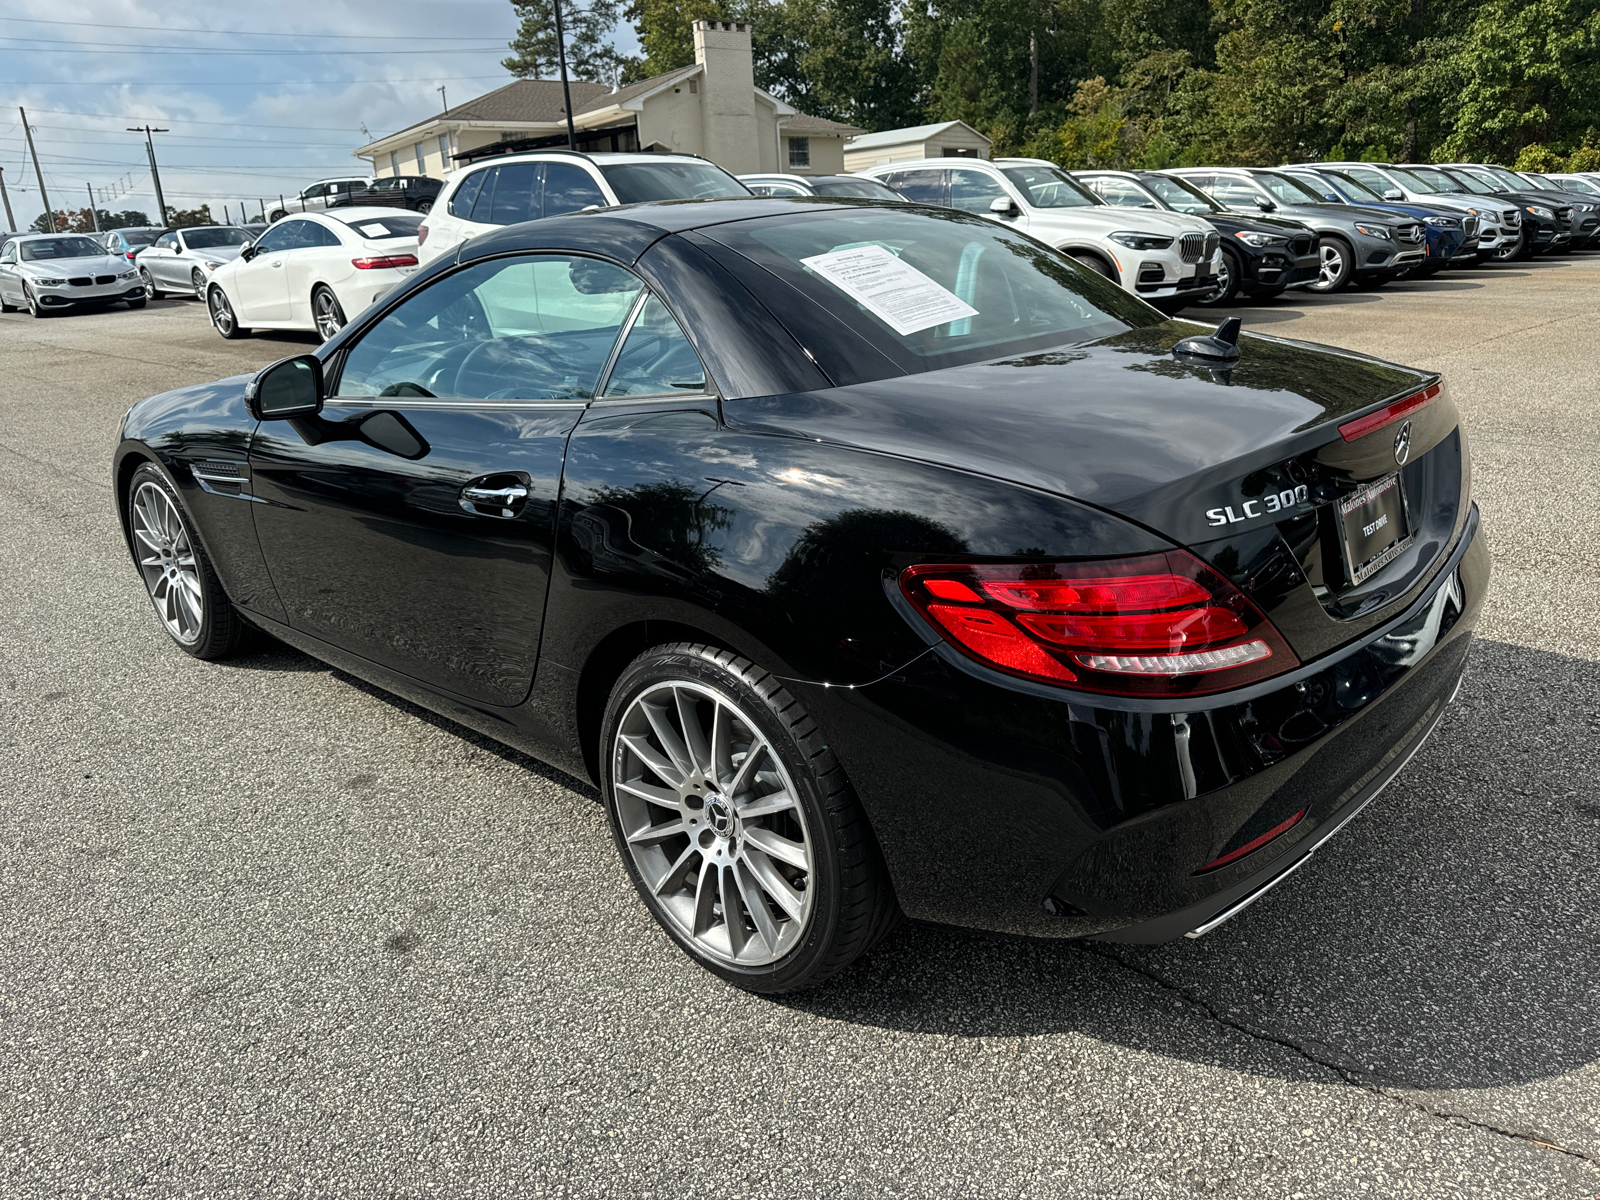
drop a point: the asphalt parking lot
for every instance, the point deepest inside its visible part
(267, 931)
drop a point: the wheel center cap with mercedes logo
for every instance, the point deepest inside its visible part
(719, 815)
(1402, 444)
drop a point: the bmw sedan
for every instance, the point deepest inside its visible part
(47, 273)
(874, 561)
(183, 260)
(310, 271)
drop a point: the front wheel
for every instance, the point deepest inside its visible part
(137, 303)
(151, 291)
(1229, 275)
(1333, 265)
(425, 206)
(1096, 264)
(327, 313)
(197, 280)
(177, 575)
(31, 302)
(737, 824)
(222, 316)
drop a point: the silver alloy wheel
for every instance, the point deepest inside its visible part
(32, 301)
(167, 563)
(150, 292)
(1508, 250)
(221, 312)
(1224, 283)
(326, 311)
(198, 278)
(712, 822)
(1330, 267)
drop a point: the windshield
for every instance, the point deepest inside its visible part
(1049, 187)
(138, 237)
(635, 183)
(1540, 184)
(1290, 191)
(1573, 184)
(395, 224)
(1425, 180)
(870, 189)
(1179, 195)
(210, 239)
(62, 247)
(1354, 190)
(931, 288)
(1475, 182)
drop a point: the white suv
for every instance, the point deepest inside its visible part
(1166, 258)
(545, 183)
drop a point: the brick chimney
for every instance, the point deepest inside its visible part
(728, 96)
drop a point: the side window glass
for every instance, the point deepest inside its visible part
(923, 187)
(568, 188)
(534, 328)
(318, 235)
(485, 200)
(167, 241)
(276, 238)
(461, 202)
(295, 235)
(516, 194)
(315, 190)
(973, 191)
(656, 359)
(1233, 192)
(1123, 194)
(1371, 178)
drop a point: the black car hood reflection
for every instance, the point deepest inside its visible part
(1113, 422)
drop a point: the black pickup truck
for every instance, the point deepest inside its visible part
(416, 192)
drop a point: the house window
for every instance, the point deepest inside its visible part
(799, 152)
(444, 153)
(394, 162)
(422, 168)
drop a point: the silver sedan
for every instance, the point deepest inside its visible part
(181, 260)
(50, 272)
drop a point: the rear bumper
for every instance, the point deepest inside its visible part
(1023, 809)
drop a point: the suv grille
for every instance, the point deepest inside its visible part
(1469, 224)
(1190, 246)
(1408, 233)
(1511, 217)
(1301, 246)
(1564, 215)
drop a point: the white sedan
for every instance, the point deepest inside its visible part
(313, 271)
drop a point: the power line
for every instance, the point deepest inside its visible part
(62, 112)
(362, 37)
(255, 83)
(83, 48)
(190, 137)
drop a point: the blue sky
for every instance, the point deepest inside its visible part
(257, 102)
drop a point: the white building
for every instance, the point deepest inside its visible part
(711, 108)
(951, 139)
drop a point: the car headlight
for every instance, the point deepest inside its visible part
(129, 275)
(1251, 238)
(1374, 231)
(51, 282)
(208, 265)
(1582, 207)
(1140, 241)
(1442, 222)
(1539, 210)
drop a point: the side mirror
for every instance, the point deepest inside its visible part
(1266, 205)
(1003, 206)
(1331, 197)
(1394, 194)
(247, 251)
(290, 387)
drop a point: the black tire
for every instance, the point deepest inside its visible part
(6, 307)
(1094, 262)
(151, 291)
(1228, 284)
(223, 319)
(425, 206)
(326, 311)
(220, 631)
(1336, 262)
(276, 214)
(137, 304)
(852, 900)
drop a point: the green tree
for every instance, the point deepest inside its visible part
(182, 218)
(587, 28)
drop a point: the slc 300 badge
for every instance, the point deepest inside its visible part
(1273, 502)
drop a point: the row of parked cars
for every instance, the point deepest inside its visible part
(1180, 237)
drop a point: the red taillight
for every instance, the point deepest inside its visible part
(1161, 624)
(1250, 847)
(422, 234)
(390, 260)
(1388, 414)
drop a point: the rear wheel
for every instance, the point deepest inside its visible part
(327, 313)
(185, 591)
(222, 315)
(1229, 275)
(425, 206)
(737, 824)
(277, 214)
(1334, 260)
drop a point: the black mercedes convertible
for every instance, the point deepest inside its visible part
(872, 560)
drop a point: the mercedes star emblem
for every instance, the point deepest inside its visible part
(1402, 444)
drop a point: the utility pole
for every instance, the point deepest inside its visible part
(155, 175)
(93, 214)
(49, 213)
(566, 91)
(11, 222)
(444, 102)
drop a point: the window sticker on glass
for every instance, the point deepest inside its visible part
(374, 230)
(902, 296)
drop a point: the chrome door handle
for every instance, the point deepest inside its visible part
(504, 499)
(277, 262)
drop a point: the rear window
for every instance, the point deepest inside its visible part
(635, 183)
(869, 189)
(397, 224)
(936, 289)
